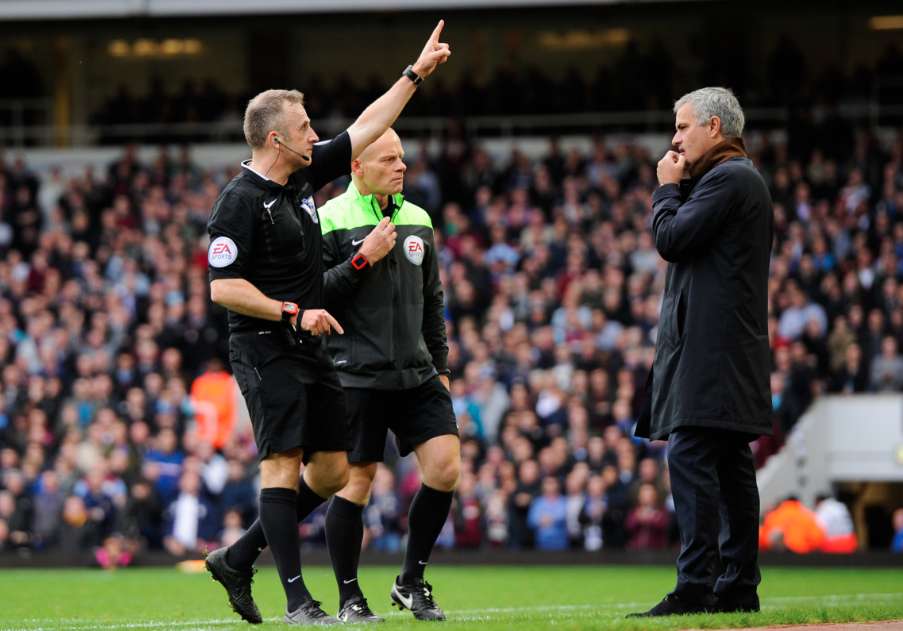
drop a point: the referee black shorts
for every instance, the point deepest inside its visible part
(414, 416)
(293, 402)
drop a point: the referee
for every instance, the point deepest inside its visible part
(382, 281)
(265, 260)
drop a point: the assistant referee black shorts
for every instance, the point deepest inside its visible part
(414, 416)
(292, 404)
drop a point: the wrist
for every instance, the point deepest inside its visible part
(415, 73)
(289, 312)
(360, 261)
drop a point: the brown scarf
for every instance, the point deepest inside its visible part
(725, 150)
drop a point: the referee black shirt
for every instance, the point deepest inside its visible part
(269, 235)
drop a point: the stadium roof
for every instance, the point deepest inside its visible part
(44, 9)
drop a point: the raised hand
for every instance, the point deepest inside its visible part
(434, 53)
(671, 168)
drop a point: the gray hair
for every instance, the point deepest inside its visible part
(720, 102)
(264, 113)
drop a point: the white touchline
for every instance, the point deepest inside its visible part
(462, 615)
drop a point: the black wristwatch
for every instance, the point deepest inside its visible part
(415, 78)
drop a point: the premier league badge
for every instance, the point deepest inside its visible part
(308, 205)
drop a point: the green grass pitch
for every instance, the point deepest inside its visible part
(478, 597)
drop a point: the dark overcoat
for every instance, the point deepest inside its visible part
(713, 359)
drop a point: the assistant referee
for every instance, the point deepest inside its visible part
(265, 261)
(382, 280)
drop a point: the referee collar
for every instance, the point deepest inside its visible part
(369, 202)
(259, 179)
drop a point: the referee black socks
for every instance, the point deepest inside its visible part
(428, 513)
(308, 500)
(278, 516)
(242, 554)
(344, 536)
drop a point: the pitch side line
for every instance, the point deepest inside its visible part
(460, 615)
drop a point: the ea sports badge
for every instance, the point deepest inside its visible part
(222, 252)
(413, 249)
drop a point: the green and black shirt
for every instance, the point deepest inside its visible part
(392, 312)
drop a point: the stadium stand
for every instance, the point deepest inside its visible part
(116, 420)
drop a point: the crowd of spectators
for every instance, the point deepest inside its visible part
(636, 77)
(552, 291)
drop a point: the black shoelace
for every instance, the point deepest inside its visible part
(425, 593)
(314, 610)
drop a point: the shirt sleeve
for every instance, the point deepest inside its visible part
(340, 279)
(330, 159)
(433, 327)
(231, 229)
(682, 229)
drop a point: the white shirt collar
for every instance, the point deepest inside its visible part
(246, 164)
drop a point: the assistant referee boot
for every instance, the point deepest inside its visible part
(355, 610)
(310, 613)
(237, 584)
(418, 597)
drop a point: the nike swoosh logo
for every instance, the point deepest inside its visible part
(270, 204)
(422, 562)
(407, 601)
(354, 243)
(351, 580)
(292, 580)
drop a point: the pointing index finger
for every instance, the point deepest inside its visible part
(334, 323)
(434, 38)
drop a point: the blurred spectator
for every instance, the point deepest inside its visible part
(834, 518)
(163, 465)
(887, 368)
(115, 552)
(232, 528)
(647, 524)
(791, 526)
(897, 543)
(192, 520)
(468, 515)
(548, 517)
(592, 513)
(383, 514)
(48, 505)
(214, 397)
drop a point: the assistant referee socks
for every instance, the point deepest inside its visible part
(428, 513)
(344, 536)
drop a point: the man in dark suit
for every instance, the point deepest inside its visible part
(712, 221)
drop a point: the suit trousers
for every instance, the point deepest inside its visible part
(716, 501)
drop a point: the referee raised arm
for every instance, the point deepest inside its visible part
(266, 268)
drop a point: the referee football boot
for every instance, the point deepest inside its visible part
(356, 610)
(418, 597)
(237, 584)
(674, 605)
(309, 613)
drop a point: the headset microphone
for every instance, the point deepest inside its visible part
(278, 141)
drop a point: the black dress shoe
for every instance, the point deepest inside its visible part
(674, 605)
(737, 603)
